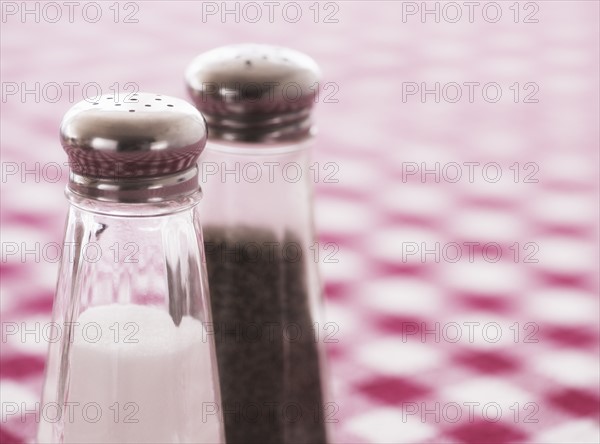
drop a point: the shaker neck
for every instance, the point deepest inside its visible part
(161, 208)
(258, 149)
(134, 191)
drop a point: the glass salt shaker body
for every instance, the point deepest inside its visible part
(131, 360)
(259, 241)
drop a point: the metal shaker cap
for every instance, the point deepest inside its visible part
(139, 147)
(254, 93)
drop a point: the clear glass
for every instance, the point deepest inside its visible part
(131, 359)
(265, 292)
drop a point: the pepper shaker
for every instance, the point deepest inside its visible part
(259, 241)
(132, 361)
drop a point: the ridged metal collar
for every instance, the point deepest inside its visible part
(254, 93)
(139, 147)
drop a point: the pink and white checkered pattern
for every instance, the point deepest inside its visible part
(399, 371)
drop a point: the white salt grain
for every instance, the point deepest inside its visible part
(139, 378)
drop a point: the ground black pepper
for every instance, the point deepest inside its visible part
(270, 382)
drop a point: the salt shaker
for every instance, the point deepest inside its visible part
(259, 241)
(130, 360)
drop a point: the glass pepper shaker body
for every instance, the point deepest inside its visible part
(132, 361)
(259, 241)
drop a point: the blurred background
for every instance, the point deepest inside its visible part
(463, 197)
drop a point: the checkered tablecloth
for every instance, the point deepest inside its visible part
(430, 346)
